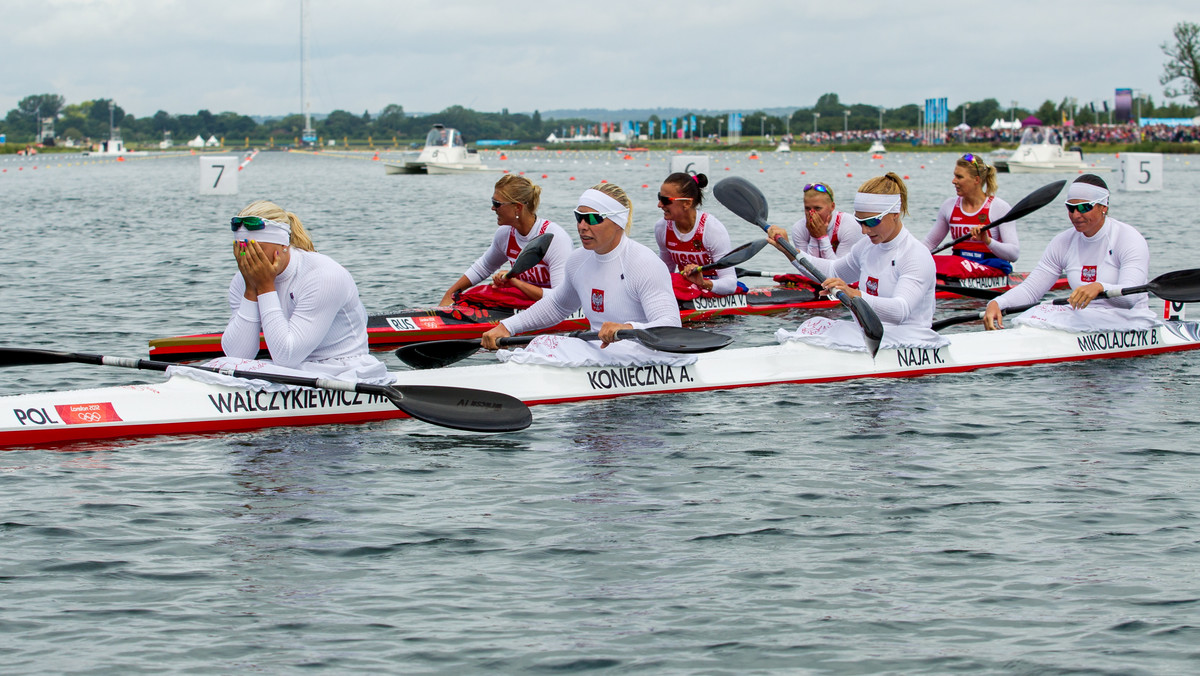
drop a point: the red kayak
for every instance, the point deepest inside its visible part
(392, 329)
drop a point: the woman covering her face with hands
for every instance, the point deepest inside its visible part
(304, 305)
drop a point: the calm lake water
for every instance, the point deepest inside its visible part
(1034, 520)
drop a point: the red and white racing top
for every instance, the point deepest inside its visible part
(952, 220)
(507, 244)
(705, 243)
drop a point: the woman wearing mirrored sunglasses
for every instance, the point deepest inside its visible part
(1097, 253)
(304, 304)
(619, 284)
(894, 271)
(975, 206)
(515, 201)
(823, 231)
(689, 238)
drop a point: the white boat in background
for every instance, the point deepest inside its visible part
(783, 147)
(181, 405)
(1041, 151)
(877, 147)
(445, 152)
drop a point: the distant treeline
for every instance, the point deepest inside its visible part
(90, 120)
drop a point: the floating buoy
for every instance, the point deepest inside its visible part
(506, 171)
(906, 177)
(604, 180)
(120, 158)
(571, 179)
(627, 157)
(645, 185)
(503, 157)
(376, 158)
(849, 175)
(543, 176)
(761, 171)
(922, 166)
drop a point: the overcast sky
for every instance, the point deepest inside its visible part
(244, 55)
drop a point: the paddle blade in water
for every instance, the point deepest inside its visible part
(532, 254)
(463, 409)
(435, 354)
(742, 198)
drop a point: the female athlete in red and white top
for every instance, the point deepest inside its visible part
(515, 201)
(975, 207)
(689, 238)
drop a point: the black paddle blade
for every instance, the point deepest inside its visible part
(435, 354)
(739, 255)
(872, 328)
(462, 409)
(1180, 286)
(743, 272)
(1028, 204)
(1033, 201)
(532, 254)
(676, 339)
(742, 198)
(17, 356)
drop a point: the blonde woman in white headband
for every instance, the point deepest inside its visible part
(1096, 254)
(619, 284)
(894, 271)
(304, 305)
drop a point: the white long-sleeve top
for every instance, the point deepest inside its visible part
(896, 278)
(627, 285)
(546, 274)
(714, 243)
(1005, 243)
(314, 314)
(1117, 256)
(841, 225)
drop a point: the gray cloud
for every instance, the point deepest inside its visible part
(244, 55)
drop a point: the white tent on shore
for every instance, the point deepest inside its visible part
(197, 142)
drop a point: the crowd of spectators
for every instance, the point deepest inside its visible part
(1093, 133)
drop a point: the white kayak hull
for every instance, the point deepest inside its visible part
(184, 406)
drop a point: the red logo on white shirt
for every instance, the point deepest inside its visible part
(598, 300)
(1088, 274)
(872, 286)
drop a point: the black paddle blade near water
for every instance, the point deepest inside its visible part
(463, 409)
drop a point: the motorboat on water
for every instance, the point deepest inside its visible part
(445, 152)
(877, 148)
(783, 147)
(1041, 151)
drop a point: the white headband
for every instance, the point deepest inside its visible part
(870, 203)
(273, 232)
(612, 209)
(1088, 193)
